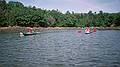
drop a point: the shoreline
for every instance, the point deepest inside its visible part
(37, 29)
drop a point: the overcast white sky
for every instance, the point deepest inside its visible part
(75, 5)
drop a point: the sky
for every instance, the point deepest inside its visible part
(78, 6)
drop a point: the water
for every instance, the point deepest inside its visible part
(61, 48)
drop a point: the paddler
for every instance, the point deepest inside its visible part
(30, 29)
(94, 29)
(80, 30)
(87, 29)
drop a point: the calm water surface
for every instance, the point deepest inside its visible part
(61, 48)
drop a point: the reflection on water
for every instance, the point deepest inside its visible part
(61, 49)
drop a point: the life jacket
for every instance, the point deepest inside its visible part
(87, 29)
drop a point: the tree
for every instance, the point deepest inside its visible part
(17, 4)
(2, 12)
(15, 13)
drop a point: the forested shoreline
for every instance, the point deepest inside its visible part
(16, 14)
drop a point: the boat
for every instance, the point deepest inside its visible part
(27, 34)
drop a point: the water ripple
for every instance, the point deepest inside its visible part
(61, 49)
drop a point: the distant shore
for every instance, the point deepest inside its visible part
(37, 29)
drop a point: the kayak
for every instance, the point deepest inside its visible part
(88, 32)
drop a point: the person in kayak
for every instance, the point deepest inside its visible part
(94, 29)
(80, 30)
(87, 30)
(30, 29)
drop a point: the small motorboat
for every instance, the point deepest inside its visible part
(27, 34)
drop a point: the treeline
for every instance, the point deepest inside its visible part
(16, 14)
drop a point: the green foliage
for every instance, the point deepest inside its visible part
(16, 14)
